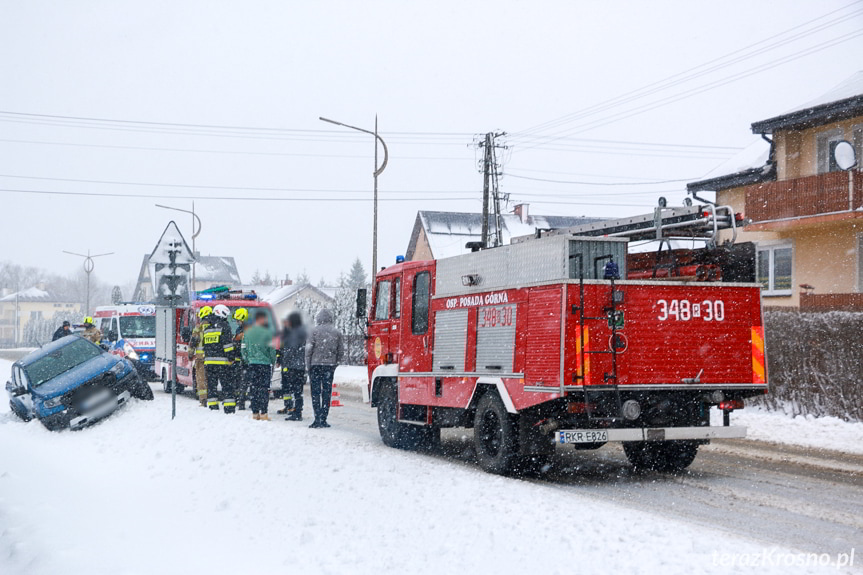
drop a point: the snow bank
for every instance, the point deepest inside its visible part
(210, 493)
(803, 430)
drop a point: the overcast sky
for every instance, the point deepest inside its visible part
(436, 73)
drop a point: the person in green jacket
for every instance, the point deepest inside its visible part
(259, 355)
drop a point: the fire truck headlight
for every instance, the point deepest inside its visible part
(631, 409)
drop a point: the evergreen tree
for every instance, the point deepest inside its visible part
(357, 276)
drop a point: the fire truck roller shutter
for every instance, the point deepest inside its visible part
(450, 340)
(495, 339)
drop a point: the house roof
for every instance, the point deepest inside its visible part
(843, 101)
(280, 294)
(32, 294)
(217, 269)
(448, 232)
(750, 166)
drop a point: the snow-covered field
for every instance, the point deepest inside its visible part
(210, 493)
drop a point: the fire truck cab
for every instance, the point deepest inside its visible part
(186, 318)
(541, 343)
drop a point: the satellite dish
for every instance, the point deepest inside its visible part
(844, 155)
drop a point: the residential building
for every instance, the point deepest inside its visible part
(444, 234)
(804, 214)
(34, 304)
(286, 298)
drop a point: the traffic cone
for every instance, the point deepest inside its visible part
(335, 400)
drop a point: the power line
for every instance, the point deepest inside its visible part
(686, 75)
(305, 199)
(703, 88)
(231, 152)
(511, 175)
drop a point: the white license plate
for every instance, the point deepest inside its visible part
(96, 400)
(585, 436)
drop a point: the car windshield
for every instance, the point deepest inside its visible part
(60, 361)
(138, 326)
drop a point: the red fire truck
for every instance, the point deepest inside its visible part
(185, 319)
(539, 343)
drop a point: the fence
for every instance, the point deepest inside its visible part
(815, 363)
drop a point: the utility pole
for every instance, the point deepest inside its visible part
(490, 173)
(486, 172)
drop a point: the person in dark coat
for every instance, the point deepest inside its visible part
(293, 357)
(325, 349)
(62, 331)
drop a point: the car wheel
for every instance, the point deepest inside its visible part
(141, 390)
(18, 414)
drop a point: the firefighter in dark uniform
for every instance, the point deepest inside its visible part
(218, 344)
(196, 353)
(241, 314)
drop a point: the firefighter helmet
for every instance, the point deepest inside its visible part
(241, 314)
(205, 311)
(222, 311)
(88, 320)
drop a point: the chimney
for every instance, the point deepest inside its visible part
(521, 210)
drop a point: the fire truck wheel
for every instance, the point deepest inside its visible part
(665, 456)
(402, 435)
(495, 435)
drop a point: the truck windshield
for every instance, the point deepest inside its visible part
(138, 326)
(61, 361)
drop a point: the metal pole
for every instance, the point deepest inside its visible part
(375, 219)
(378, 171)
(89, 265)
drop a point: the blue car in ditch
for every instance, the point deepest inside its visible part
(72, 383)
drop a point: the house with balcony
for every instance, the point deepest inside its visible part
(804, 214)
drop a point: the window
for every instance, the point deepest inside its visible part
(35, 315)
(420, 304)
(824, 144)
(857, 132)
(382, 300)
(774, 265)
(106, 326)
(397, 301)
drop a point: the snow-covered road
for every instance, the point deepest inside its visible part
(209, 493)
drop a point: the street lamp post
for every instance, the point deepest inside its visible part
(195, 220)
(378, 171)
(89, 266)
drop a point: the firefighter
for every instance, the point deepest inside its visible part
(218, 360)
(91, 332)
(196, 353)
(241, 314)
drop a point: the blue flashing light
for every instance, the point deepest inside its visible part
(250, 296)
(205, 296)
(400, 259)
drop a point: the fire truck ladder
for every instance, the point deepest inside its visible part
(611, 317)
(676, 223)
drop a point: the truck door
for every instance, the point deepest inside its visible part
(415, 337)
(383, 326)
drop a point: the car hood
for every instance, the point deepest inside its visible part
(76, 376)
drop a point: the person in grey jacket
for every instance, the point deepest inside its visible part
(324, 351)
